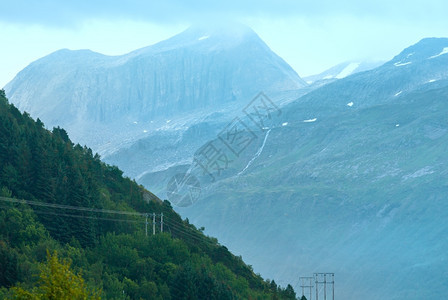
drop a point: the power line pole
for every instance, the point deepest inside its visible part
(153, 223)
(146, 224)
(303, 292)
(161, 222)
(332, 283)
(325, 286)
(321, 279)
(306, 283)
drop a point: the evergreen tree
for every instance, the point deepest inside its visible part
(8, 265)
(289, 293)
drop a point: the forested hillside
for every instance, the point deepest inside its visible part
(91, 215)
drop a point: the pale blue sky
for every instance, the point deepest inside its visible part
(310, 35)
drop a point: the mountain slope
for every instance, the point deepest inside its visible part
(351, 178)
(87, 211)
(128, 95)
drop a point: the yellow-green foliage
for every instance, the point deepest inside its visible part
(57, 282)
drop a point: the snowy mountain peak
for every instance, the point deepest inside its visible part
(428, 48)
(207, 38)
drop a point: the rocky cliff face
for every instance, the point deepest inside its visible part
(195, 70)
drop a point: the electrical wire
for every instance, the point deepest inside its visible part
(190, 233)
(77, 216)
(182, 231)
(173, 226)
(79, 208)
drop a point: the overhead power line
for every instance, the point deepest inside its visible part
(79, 208)
(148, 218)
(39, 212)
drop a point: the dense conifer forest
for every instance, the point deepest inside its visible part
(61, 207)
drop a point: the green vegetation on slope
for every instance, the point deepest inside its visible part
(57, 281)
(112, 252)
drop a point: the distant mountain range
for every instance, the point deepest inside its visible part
(350, 178)
(347, 175)
(127, 96)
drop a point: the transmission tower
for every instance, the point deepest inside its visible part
(306, 283)
(325, 280)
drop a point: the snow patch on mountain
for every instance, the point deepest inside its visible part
(343, 70)
(348, 70)
(399, 64)
(422, 172)
(310, 120)
(444, 51)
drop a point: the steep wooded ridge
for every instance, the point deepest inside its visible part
(112, 251)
